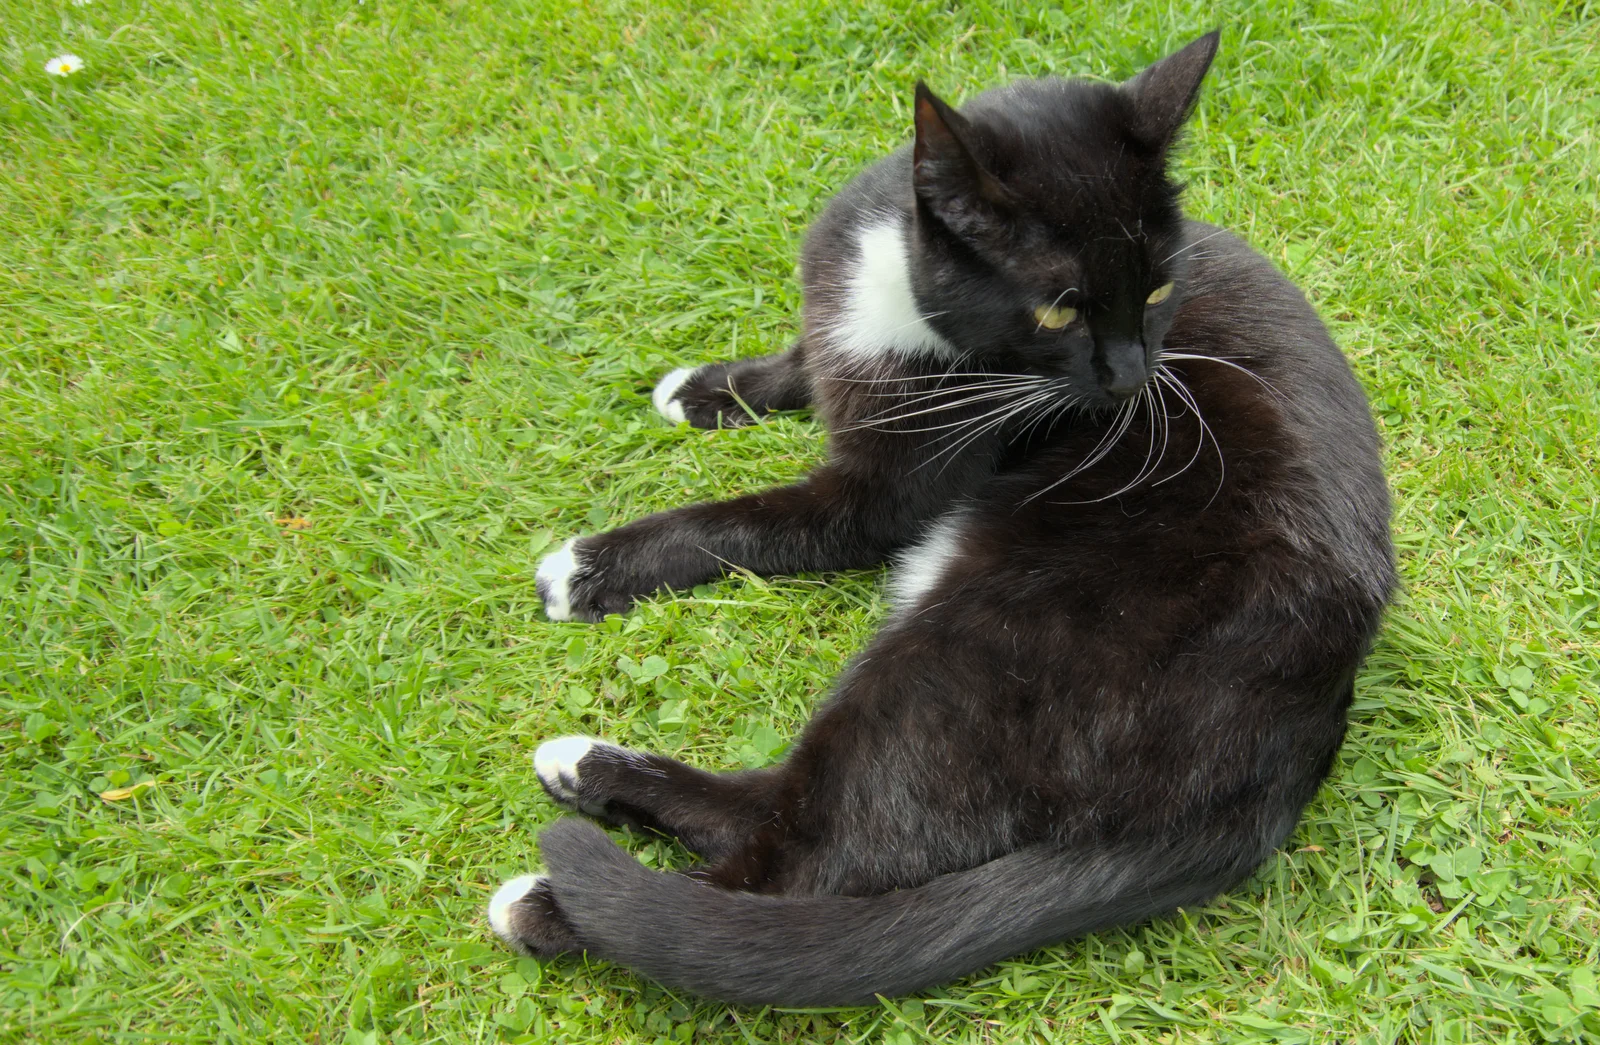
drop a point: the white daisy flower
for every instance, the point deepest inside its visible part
(63, 65)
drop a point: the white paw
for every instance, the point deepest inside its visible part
(556, 764)
(504, 898)
(667, 406)
(554, 581)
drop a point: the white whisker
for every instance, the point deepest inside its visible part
(879, 420)
(1187, 396)
(1191, 246)
(974, 386)
(1028, 402)
(940, 376)
(1138, 477)
(1164, 377)
(1225, 361)
(1117, 429)
(1051, 408)
(964, 422)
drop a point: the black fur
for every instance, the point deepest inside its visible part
(1166, 553)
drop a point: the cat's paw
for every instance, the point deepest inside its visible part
(571, 588)
(554, 580)
(524, 914)
(703, 397)
(573, 771)
(556, 764)
(665, 397)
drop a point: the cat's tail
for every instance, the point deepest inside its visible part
(837, 950)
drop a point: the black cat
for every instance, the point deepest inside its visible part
(1145, 548)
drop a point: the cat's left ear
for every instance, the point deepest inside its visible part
(1164, 94)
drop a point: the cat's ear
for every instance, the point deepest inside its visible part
(946, 168)
(1164, 94)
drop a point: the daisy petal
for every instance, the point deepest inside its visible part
(63, 65)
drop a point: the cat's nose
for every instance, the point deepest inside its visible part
(1121, 366)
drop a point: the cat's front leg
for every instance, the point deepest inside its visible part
(833, 520)
(814, 525)
(733, 394)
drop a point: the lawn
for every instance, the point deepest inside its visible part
(321, 321)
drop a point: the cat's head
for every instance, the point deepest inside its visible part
(1049, 235)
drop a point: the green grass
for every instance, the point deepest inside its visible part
(320, 321)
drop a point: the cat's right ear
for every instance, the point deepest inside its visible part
(946, 168)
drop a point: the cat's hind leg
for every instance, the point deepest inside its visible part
(713, 814)
(728, 395)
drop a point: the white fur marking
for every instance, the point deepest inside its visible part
(506, 896)
(922, 565)
(880, 313)
(553, 580)
(556, 763)
(666, 406)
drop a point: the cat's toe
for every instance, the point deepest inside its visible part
(524, 914)
(665, 397)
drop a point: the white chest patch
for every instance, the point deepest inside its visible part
(880, 313)
(921, 567)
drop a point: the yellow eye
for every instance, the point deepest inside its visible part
(1053, 317)
(1160, 294)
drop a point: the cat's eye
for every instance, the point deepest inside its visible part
(1054, 317)
(1160, 294)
